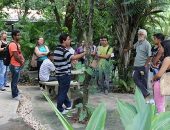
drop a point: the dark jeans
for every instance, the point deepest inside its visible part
(64, 85)
(140, 79)
(15, 71)
(38, 67)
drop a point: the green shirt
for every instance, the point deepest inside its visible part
(103, 51)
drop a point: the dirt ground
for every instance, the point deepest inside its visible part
(47, 117)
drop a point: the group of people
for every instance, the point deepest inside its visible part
(62, 59)
(16, 62)
(154, 59)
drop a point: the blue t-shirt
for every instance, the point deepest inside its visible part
(42, 49)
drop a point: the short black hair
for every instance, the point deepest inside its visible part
(50, 54)
(159, 36)
(63, 37)
(14, 33)
(102, 37)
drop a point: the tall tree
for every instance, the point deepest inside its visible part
(128, 15)
(69, 18)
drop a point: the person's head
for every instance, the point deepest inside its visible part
(65, 39)
(142, 34)
(104, 40)
(15, 35)
(50, 56)
(40, 41)
(3, 35)
(158, 38)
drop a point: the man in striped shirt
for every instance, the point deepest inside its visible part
(62, 62)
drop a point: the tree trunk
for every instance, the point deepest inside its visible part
(26, 5)
(69, 16)
(57, 16)
(88, 38)
(86, 89)
(125, 31)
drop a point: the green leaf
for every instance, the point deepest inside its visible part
(161, 122)
(89, 71)
(66, 125)
(153, 111)
(142, 121)
(127, 112)
(140, 101)
(81, 77)
(83, 115)
(124, 84)
(97, 120)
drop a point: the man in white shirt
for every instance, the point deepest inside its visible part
(46, 68)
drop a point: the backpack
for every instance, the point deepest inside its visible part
(7, 57)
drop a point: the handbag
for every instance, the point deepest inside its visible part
(34, 61)
(165, 84)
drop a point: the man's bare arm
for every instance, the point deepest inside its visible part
(17, 58)
(78, 56)
(104, 56)
(158, 56)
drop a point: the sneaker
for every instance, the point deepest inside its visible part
(7, 85)
(17, 98)
(69, 108)
(64, 112)
(2, 89)
(151, 101)
(19, 91)
(106, 92)
(41, 88)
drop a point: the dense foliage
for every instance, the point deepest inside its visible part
(88, 20)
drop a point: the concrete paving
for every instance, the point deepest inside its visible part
(9, 120)
(8, 107)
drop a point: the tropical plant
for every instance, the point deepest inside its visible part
(96, 122)
(127, 16)
(142, 116)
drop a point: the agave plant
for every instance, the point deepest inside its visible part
(96, 122)
(142, 116)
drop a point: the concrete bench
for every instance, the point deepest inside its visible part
(52, 87)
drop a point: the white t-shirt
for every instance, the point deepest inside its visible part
(71, 50)
(46, 67)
